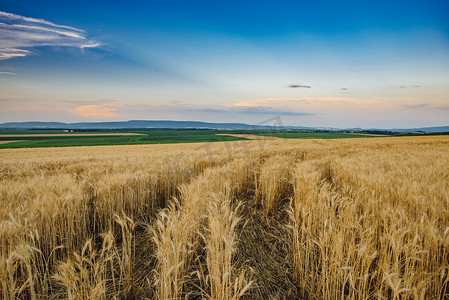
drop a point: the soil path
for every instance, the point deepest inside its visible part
(252, 136)
(6, 142)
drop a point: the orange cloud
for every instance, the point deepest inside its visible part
(96, 111)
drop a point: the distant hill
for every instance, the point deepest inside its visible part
(166, 124)
(399, 130)
(133, 124)
(425, 129)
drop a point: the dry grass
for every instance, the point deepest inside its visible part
(318, 219)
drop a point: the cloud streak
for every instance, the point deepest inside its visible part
(8, 73)
(426, 106)
(442, 108)
(294, 86)
(18, 34)
(415, 106)
(250, 110)
(108, 109)
(33, 20)
(409, 86)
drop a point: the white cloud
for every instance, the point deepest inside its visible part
(33, 20)
(92, 45)
(18, 33)
(8, 73)
(6, 53)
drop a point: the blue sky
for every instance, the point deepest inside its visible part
(313, 63)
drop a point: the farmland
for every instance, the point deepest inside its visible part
(117, 137)
(351, 218)
(59, 138)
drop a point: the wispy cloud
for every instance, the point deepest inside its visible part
(6, 53)
(33, 20)
(299, 86)
(111, 102)
(250, 110)
(182, 107)
(426, 106)
(8, 73)
(108, 109)
(317, 104)
(416, 106)
(271, 102)
(409, 86)
(96, 111)
(443, 108)
(18, 34)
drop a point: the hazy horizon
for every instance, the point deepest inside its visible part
(274, 122)
(314, 64)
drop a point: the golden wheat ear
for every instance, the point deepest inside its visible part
(263, 219)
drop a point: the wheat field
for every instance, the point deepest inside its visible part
(266, 219)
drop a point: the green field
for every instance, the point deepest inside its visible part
(30, 131)
(148, 137)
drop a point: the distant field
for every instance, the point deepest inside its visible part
(59, 138)
(115, 138)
